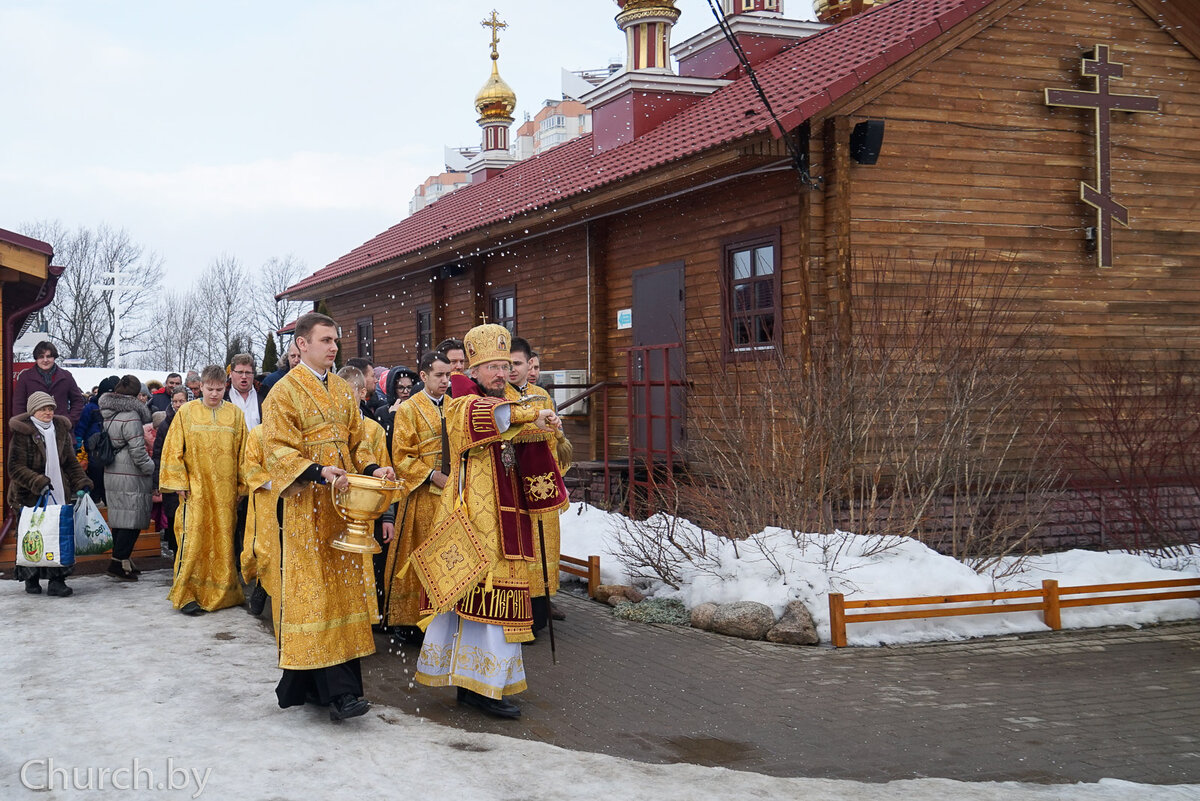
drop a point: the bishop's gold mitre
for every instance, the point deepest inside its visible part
(487, 343)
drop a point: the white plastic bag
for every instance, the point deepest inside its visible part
(92, 534)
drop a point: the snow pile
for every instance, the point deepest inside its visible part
(776, 567)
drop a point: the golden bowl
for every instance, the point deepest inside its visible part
(365, 499)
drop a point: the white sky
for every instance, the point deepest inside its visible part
(265, 128)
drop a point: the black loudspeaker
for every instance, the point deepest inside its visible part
(865, 141)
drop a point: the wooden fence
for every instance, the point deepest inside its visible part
(1050, 600)
(584, 568)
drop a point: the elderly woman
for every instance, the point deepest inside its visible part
(41, 459)
(129, 480)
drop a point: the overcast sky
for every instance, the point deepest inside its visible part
(264, 128)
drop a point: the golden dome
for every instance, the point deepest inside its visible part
(496, 100)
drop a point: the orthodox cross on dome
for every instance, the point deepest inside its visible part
(1102, 100)
(495, 23)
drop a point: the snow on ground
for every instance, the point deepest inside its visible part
(776, 567)
(112, 689)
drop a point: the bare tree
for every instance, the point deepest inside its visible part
(275, 276)
(175, 339)
(225, 295)
(83, 320)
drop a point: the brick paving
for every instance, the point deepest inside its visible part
(1054, 707)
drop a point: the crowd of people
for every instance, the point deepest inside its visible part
(235, 468)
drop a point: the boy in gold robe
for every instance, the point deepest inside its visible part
(422, 465)
(313, 435)
(376, 439)
(201, 462)
(260, 551)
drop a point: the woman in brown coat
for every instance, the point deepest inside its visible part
(41, 458)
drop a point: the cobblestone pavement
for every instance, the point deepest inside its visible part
(1053, 707)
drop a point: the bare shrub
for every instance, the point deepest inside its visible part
(663, 544)
(924, 424)
(1134, 434)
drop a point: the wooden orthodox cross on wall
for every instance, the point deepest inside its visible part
(1103, 102)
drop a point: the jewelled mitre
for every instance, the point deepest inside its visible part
(487, 343)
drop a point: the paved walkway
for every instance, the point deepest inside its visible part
(1054, 707)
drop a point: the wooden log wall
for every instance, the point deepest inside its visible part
(973, 159)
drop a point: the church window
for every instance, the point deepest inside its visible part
(366, 338)
(504, 308)
(751, 289)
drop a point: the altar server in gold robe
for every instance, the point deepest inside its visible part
(260, 551)
(421, 458)
(522, 390)
(313, 436)
(201, 461)
(376, 439)
(474, 568)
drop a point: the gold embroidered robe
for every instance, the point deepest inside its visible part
(540, 399)
(203, 455)
(325, 611)
(475, 469)
(416, 453)
(260, 548)
(376, 439)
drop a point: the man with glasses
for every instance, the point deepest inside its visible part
(243, 391)
(474, 567)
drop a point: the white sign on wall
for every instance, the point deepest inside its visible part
(624, 318)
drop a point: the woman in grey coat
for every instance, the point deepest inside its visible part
(129, 480)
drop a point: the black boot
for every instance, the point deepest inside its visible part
(347, 706)
(192, 608)
(258, 600)
(32, 586)
(116, 569)
(59, 588)
(496, 707)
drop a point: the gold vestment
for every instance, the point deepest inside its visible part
(537, 399)
(416, 453)
(325, 611)
(260, 548)
(203, 456)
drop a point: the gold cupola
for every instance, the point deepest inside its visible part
(496, 99)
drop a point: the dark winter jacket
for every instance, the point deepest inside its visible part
(129, 480)
(90, 422)
(27, 461)
(61, 386)
(160, 400)
(269, 382)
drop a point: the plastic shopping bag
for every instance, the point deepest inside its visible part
(92, 534)
(46, 535)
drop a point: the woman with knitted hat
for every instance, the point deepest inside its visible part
(41, 459)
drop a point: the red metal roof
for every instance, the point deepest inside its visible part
(29, 243)
(800, 81)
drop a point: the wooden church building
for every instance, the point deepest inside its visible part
(705, 228)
